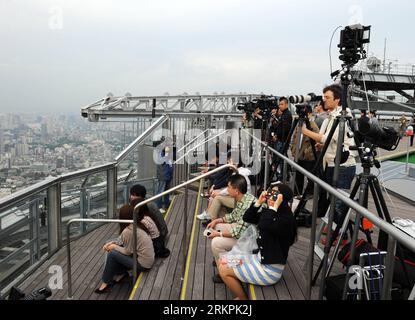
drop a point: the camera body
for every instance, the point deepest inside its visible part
(385, 138)
(303, 110)
(264, 103)
(272, 195)
(248, 107)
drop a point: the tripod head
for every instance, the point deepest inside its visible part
(367, 154)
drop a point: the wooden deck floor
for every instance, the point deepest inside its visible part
(165, 280)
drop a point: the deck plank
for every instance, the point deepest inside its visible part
(163, 281)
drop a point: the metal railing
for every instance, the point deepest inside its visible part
(141, 138)
(200, 144)
(134, 221)
(52, 189)
(395, 235)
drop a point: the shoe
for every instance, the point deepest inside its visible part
(217, 279)
(203, 216)
(105, 290)
(125, 275)
(163, 211)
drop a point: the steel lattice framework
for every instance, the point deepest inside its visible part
(154, 106)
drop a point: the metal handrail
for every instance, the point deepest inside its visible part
(194, 139)
(130, 221)
(184, 184)
(198, 145)
(68, 243)
(387, 227)
(141, 138)
(395, 233)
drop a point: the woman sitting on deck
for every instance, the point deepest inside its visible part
(120, 254)
(277, 232)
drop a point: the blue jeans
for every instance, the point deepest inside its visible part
(346, 176)
(117, 264)
(163, 202)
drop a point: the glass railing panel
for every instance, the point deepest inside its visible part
(139, 167)
(84, 197)
(23, 236)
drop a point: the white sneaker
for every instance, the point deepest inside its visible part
(203, 216)
(163, 211)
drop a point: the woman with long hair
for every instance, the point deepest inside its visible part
(277, 232)
(119, 259)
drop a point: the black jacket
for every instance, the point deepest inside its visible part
(284, 125)
(277, 232)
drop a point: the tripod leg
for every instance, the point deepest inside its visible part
(317, 166)
(336, 231)
(383, 236)
(362, 199)
(344, 227)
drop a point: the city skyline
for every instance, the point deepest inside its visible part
(33, 148)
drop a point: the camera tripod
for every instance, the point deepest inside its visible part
(365, 181)
(297, 125)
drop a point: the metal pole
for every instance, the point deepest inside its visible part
(407, 155)
(54, 217)
(111, 192)
(389, 266)
(68, 255)
(363, 194)
(266, 168)
(135, 266)
(312, 240)
(327, 247)
(186, 198)
(68, 244)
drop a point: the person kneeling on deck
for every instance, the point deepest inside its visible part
(277, 232)
(119, 259)
(137, 194)
(226, 231)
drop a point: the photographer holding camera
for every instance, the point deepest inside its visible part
(306, 158)
(347, 170)
(281, 129)
(320, 113)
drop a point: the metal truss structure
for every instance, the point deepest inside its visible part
(154, 106)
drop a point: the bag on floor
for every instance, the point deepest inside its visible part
(244, 248)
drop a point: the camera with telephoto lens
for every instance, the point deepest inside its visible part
(303, 110)
(248, 107)
(311, 97)
(383, 137)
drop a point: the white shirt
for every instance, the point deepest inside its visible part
(330, 154)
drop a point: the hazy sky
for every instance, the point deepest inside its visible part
(58, 56)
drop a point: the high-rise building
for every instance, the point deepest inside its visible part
(2, 150)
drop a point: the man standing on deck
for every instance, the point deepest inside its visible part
(282, 130)
(332, 96)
